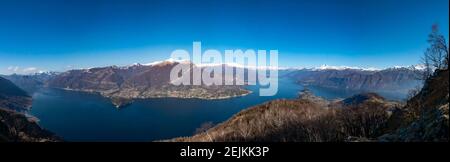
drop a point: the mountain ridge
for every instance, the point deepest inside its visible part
(122, 85)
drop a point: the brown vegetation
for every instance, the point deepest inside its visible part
(301, 120)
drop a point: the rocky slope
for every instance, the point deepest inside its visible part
(14, 125)
(425, 117)
(363, 117)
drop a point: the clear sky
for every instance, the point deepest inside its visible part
(58, 35)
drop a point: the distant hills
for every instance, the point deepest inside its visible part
(8, 88)
(30, 83)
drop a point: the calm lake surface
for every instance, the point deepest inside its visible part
(79, 116)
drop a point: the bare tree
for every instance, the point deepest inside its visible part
(436, 56)
(204, 129)
(425, 73)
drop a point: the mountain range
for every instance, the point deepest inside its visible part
(12, 97)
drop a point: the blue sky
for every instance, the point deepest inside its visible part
(58, 35)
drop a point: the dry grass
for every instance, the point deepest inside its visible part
(298, 120)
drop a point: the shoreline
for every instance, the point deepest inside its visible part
(125, 101)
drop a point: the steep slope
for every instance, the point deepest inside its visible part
(425, 117)
(301, 120)
(12, 97)
(8, 88)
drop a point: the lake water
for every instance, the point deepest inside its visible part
(79, 116)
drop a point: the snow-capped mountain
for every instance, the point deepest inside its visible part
(170, 60)
(328, 67)
(236, 65)
(253, 67)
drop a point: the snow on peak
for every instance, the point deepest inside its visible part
(254, 67)
(328, 67)
(419, 67)
(170, 60)
(237, 65)
(412, 67)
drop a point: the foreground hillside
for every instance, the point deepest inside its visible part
(14, 125)
(425, 117)
(364, 117)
